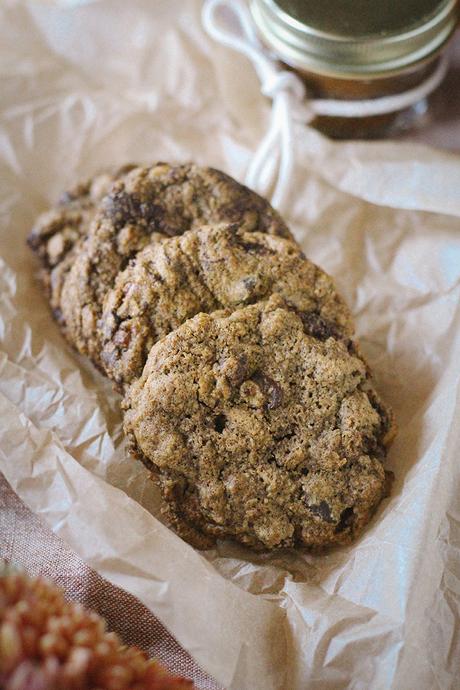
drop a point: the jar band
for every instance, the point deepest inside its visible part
(229, 22)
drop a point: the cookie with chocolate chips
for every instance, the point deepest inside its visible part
(142, 207)
(58, 233)
(259, 429)
(214, 267)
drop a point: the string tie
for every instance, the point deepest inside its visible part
(271, 168)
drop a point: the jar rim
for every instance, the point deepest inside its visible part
(361, 56)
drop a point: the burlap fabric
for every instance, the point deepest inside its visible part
(26, 541)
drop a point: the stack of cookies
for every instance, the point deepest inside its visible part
(244, 392)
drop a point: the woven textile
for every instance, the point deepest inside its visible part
(26, 541)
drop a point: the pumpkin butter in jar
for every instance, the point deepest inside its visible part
(358, 50)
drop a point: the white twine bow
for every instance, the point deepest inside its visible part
(229, 22)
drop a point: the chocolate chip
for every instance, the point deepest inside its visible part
(249, 246)
(323, 511)
(123, 208)
(320, 328)
(369, 445)
(271, 389)
(347, 517)
(255, 248)
(238, 210)
(120, 208)
(240, 372)
(219, 423)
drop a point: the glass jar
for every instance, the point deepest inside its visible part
(356, 50)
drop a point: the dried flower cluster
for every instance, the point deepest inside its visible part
(48, 643)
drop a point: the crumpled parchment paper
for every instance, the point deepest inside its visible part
(102, 83)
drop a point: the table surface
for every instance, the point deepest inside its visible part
(25, 540)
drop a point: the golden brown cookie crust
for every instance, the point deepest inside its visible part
(145, 205)
(214, 267)
(58, 234)
(254, 411)
(259, 431)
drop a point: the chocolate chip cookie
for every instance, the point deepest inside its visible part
(260, 429)
(142, 207)
(215, 267)
(59, 232)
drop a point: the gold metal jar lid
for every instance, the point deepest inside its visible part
(355, 38)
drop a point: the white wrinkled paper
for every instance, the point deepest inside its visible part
(103, 83)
